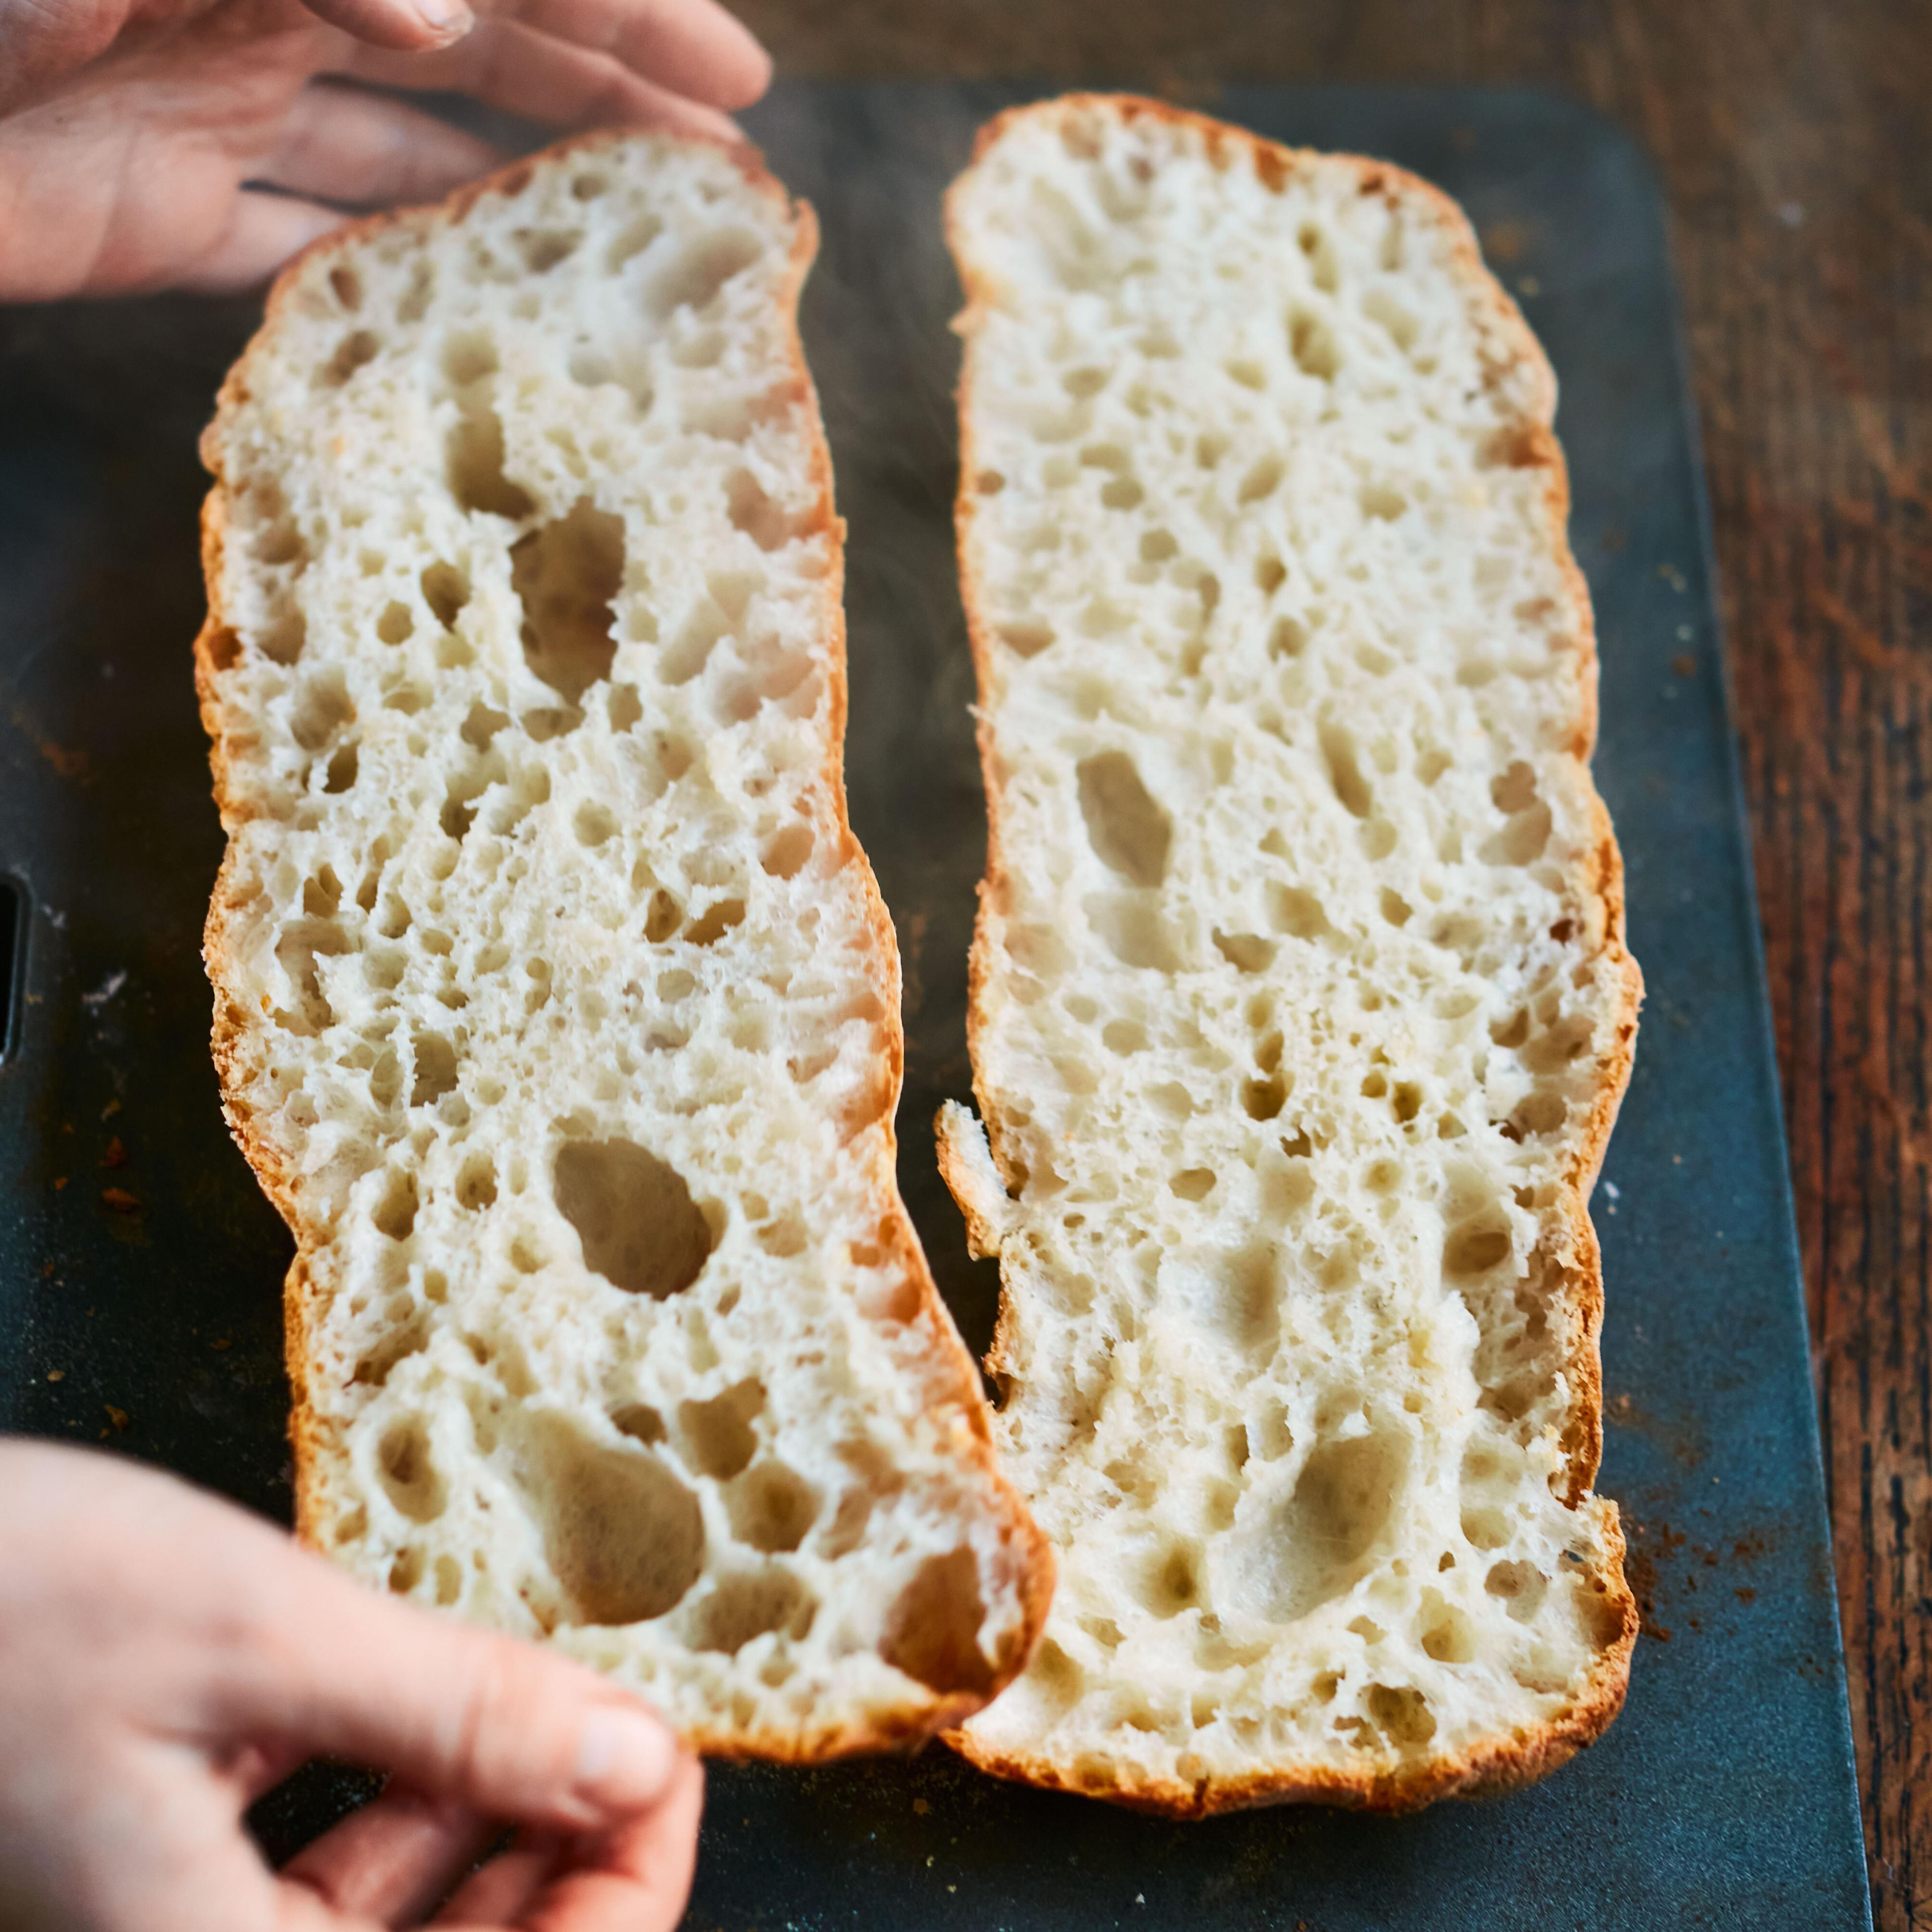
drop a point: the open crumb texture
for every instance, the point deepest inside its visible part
(1301, 1007)
(555, 1005)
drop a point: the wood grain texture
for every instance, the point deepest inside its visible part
(1796, 149)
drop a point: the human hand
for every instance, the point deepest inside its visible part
(164, 1659)
(128, 128)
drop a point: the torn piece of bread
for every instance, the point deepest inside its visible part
(556, 1006)
(1301, 1006)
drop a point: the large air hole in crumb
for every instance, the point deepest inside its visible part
(1378, 305)
(640, 1228)
(296, 952)
(1345, 771)
(1403, 1714)
(745, 1606)
(1447, 1635)
(409, 1475)
(771, 1507)
(435, 1069)
(1133, 931)
(637, 236)
(1025, 636)
(543, 248)
(566, 575)
(403, 1339)
(1296, 912)
(1311, 1548)
(787, 850)
(1261, 480)
(1288, 639)
(1264, 1099)
(1235, 1294)
(1522, 1586)
(476, 1182)
(717, 919)
(751, 511)
(662, 916)
(1316, 245)
(1477, 1247)
(1554, 1048)
(717, 1434)
(445, 590)
(690, 651)
(343, 769)
(474, 464)
(624, 1537)
(322, 709)
(356, 349)
(1541, 1113)
(1128, 829)
(1172, 1581)
(932, 1633)
(1246, 951)
(1312, 343)
(693, 278)
(395, 1214)
(639, 1422)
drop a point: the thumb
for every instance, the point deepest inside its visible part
(484, 1720)
(403, 26)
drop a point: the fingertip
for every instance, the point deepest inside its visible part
(400, 26)
(627, 1758)
(724, 63)
(749, 77)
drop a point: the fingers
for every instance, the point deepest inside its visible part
(262, 233)
(692, 47)
(341, 144)
(513, 66)
(482, 1720)
(392, 1860)
(634, 1879)
(409, 26)
(498, 1894)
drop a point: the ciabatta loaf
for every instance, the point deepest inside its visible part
(556, 1006)
(1301, 1007)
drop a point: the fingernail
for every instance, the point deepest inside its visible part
(624, 1758)
(447, 19)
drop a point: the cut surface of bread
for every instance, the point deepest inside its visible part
(1301, 1009)
(556, 1006)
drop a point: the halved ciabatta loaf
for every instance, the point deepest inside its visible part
(556, 1006)
(1301, 1006)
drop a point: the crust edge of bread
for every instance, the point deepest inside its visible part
(1029, 1551)
(1505, 1763)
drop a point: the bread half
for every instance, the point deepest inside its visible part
(1301, 1004)
(555, 1005)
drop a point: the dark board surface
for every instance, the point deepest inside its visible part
(1724, 1795)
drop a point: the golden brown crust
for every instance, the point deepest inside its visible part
(1502, 1763)
(1029, 1555)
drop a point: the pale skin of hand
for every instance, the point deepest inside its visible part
(165, 1658)
(131, 131)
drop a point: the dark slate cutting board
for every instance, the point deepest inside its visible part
(1724, 1796)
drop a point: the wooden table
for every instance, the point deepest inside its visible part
(1793, 140)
